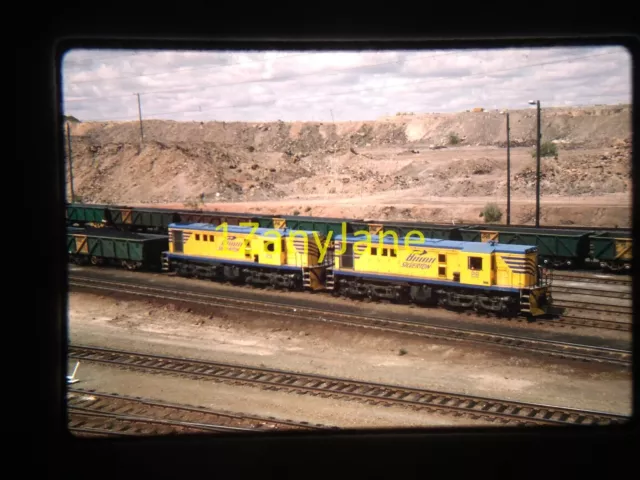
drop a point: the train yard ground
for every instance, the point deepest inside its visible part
(269, 340)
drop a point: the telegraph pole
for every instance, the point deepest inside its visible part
(538, 169)
(508, 174)
(537, 103)
(70, 162)
(140, 118)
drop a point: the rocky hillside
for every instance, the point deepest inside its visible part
(446, 154)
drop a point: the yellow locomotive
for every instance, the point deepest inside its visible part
(248, 255)
(503, 279)
(484, 276)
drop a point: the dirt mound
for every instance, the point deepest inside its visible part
(581, 174)
(446, 155)
(159, 172)
(465, 168)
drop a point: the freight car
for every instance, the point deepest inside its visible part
(557, 248)
(102, 246)
(613, 250)
(149, 220)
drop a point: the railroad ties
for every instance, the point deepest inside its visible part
(494, 410)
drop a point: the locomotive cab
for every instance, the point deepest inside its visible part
(517, 266)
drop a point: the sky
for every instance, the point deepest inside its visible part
(102, 85)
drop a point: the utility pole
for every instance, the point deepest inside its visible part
(140, 118)
(538, 137)
(538, 169)
(508, 174)
(70, 162)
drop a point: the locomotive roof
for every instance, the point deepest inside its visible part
(471, 247)
(269, 232)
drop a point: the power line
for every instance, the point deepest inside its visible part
(374, 88)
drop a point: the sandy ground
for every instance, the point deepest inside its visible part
(602, 211)
(318, 348)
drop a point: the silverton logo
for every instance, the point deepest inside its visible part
(418, 259)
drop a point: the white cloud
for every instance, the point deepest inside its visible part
(250, 86)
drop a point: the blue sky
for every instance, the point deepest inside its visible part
(324, 86)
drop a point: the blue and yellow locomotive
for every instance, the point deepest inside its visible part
(260, 256)
(490, 277)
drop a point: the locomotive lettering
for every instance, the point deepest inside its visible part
(418, 259)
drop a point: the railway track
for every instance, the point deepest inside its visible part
(494, 410)
(601, 324)
(590, 300)
(613, 310)
(594, 315)
(556, 349)
(586, 277)
(93, 413)
(593, 291)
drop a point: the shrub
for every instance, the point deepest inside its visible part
(491, 213)
(547, 149)
(454, 139)
(194, 204)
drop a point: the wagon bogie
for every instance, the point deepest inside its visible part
(613, 250)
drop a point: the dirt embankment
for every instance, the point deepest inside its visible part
(455, 155)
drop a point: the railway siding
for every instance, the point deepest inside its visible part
(530, 344)
(445, 403)
(94, 413)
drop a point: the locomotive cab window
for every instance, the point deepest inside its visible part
(442, 258)
(374, 251)
(475, 263)
(393, 252)
(384, 252)
(197, 236)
